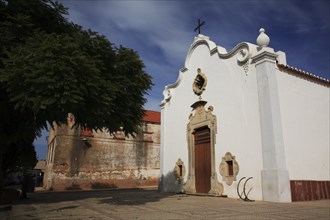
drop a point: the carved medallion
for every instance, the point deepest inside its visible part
(199, 83)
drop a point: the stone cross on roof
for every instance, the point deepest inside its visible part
(199, 25)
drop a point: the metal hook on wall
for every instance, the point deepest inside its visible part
(245, 198)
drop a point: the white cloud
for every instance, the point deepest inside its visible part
(157, 22)
(162, 31)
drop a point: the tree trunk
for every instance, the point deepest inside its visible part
(2, 182)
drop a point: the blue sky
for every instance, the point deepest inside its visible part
(162, 32)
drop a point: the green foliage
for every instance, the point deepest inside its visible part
(50, 67)
(53, 67)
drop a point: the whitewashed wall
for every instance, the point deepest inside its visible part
(301, 116)
(233, 94)
(305, 113)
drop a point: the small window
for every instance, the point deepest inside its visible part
(180, 170)
(230, 168)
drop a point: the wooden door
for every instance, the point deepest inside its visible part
(202, 160)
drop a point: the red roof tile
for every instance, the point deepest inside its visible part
(152, 116)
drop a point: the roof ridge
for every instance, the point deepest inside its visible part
(296, 70)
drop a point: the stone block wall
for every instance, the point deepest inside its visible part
(102, 160)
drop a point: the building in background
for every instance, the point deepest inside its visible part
(81, 159)
(39, 171)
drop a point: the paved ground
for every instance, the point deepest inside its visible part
(149, 204)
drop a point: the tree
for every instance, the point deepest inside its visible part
(16, 134)
(19, 157)
(50, 67)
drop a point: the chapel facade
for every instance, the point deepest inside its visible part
(82, 159)
(245, 124)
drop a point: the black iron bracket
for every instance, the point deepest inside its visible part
(244, 196)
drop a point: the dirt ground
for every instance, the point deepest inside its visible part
(150, 204)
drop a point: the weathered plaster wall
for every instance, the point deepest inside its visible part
(103, 161)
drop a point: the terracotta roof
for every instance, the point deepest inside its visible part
(303, 73)
(152, 116)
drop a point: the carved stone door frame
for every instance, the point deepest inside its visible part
(198, 119)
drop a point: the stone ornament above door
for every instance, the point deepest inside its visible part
(200, 82)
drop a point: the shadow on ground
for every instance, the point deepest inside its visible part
(136, 198)
(112, 196)
(78, 198)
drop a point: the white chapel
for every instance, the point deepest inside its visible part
(244, 124)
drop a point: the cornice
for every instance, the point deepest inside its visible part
(264, 54)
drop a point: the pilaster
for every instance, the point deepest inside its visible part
(274, 176)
